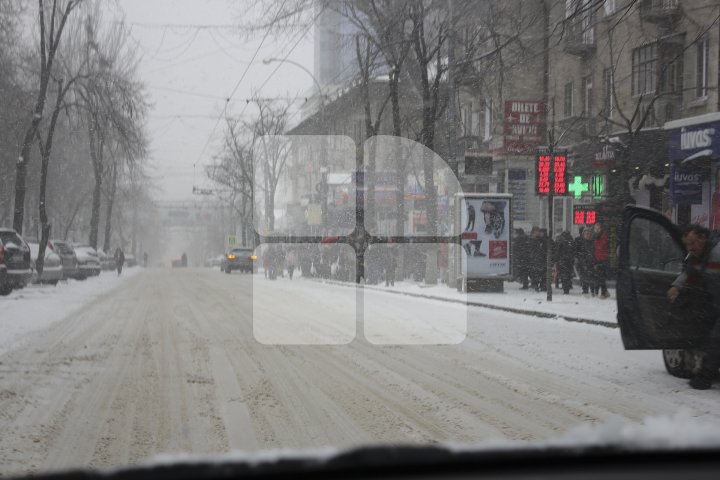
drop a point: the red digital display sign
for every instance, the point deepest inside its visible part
(557, 164)
(584, 215)
(543, 174)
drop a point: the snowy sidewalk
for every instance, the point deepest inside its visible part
(574, 307)
(36, 307)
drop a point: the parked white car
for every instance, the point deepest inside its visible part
(88, 261)
(52, 268)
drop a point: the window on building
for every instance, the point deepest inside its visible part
(701, 69)
(568, 100)
(644, 69)
(587, 96)
(671, 68)
(487, 134)
(608, 92)
(609, 7)
(467, 120)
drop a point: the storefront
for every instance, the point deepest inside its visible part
(693, 148)
(606, 170)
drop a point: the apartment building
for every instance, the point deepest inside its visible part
(631, 94)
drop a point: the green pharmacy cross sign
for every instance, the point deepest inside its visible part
(577, 187)
(598, 186)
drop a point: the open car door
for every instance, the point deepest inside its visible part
(651, 257)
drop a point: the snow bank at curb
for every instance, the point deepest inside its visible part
(36, 307)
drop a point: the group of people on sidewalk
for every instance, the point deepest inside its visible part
(586, 254)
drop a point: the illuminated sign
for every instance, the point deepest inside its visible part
(598, 186)
(584, 215)
(560, 173)
(555, 164)
(543, 174)
(578, 187)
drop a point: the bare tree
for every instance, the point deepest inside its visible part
(52, 18)
(233, 172)
(270, 150)
(14, 100)
(114, 105)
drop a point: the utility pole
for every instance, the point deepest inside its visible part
(551, 139)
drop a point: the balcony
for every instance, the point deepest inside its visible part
(579, 38)
(660, 11)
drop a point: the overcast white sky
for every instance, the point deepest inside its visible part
(190, 71)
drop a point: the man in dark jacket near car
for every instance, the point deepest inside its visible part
(702, 270)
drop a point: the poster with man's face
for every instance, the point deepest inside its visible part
(485, 237)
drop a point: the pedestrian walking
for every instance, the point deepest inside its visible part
(119, 258)
(538, 259)
(601, 261)
(585, 258)
(290, 261)
(521, 258)
(564, 250)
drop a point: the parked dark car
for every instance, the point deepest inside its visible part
(69, 260)
(242, 259)
(650, 258)
(15, 261)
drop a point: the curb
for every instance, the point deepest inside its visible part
(490, 306)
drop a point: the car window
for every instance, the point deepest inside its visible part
(652, 247)
(11, 239)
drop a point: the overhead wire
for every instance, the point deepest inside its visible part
(237, 85)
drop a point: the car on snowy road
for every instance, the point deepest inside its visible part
(15, 261)
(69, 260)
(242, 259)
(88, 261)
(52, 266)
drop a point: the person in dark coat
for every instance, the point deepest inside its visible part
(564, 258)
(585, 256)
(119, 260)
(537, 253)
(521, 258)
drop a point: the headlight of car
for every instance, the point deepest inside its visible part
(231, 257)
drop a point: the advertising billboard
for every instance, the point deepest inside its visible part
(485, 235)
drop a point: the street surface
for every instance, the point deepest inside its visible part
(168, 362)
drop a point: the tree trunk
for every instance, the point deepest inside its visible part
(46, 62)
(21, 173)
(108, 212)
(96, 153)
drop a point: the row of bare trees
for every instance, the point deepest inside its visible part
(76, 118)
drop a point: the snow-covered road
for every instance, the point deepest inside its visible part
(168, 362)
